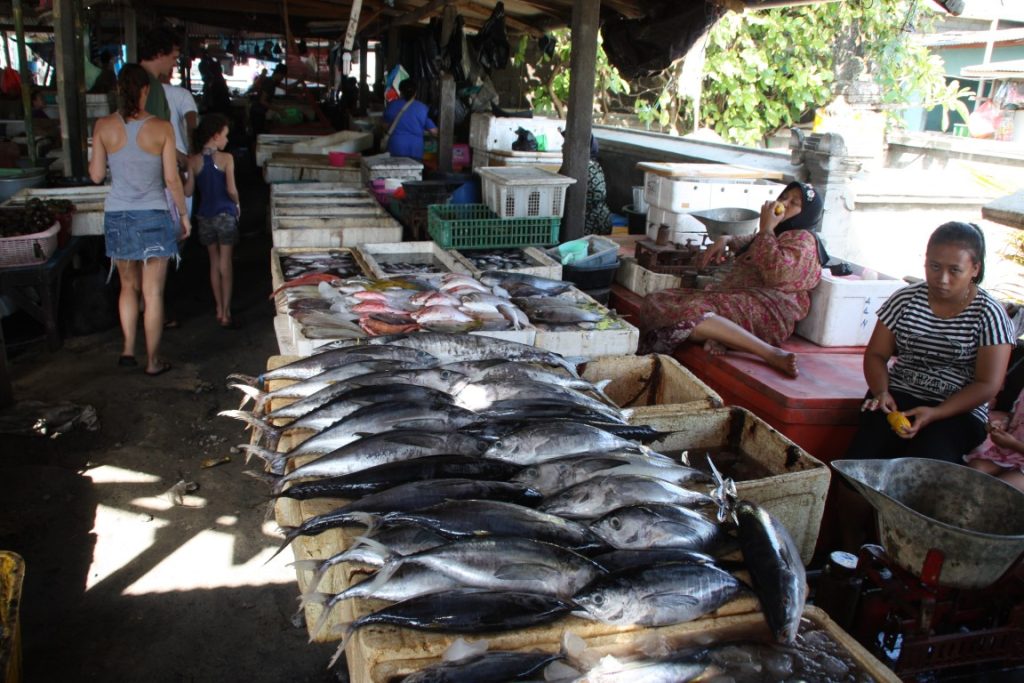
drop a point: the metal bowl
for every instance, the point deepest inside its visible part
(976, 520)
(728, 221)
(13, 179)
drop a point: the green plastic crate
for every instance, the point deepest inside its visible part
(475, 226)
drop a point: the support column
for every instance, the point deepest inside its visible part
(579, 120)
(364, 54)
(26, 81)
(131, 33)
(446, 126)
(67, 28)
(830, 169)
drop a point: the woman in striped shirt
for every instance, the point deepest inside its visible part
(951, 341)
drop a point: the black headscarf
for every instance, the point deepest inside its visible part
(809, 217)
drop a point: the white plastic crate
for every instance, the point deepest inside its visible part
(551, 161)
(387, 166)
(489, 132)
(524, 191)
(843, 308)
(679, 195)
(683, 226)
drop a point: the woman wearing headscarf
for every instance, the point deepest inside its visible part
(759, 302)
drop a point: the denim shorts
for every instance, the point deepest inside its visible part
(140, 235)
(219, 229)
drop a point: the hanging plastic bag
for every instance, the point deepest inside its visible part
(10, 82)
(525, 141)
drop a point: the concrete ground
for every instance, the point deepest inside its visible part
(123, 581)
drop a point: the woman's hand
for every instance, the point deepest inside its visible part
(716, 252)
(769, 219)
(884, 402)
(919, 417)
(186, 226)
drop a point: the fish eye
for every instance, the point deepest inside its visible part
(445, 374)
(598, 599)
(531, 471)
(615, 523)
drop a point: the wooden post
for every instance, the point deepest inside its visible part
(26, 81)
(131, 33)
(67, 28)
(6, 387)
(446, 126)
(364, 54)
(393, 51)
(576, 150)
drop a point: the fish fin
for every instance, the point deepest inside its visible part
(341, 646)
(325, 615)
(381, 549)
(306, 565)
(368, 519)
(668, 599)
(290, 534)
(724, 494)
(254, 382)
(250, 393)
(265, 477)
(463, 649)
(526, 571)
(275, 461)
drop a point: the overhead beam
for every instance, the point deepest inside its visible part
(586, 15)
(418, 15)
(484, 12)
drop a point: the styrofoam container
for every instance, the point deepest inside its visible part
(682, 226)
(375, 255)
(543, 265)
(387, 166)
(639, 280)
(794, 491)
(680, 195)
(285, 337)
(524, 191)
(843, 308)
(268, 144)
(570, 340)
(602, 251)
(291, 168)
(342, 141)
(549, 161)
(654, 379)
(489, 132)
(88, 216)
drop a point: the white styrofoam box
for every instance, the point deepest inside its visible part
(843, 308)
(285, 337)
(570, 340)
(387, 166)
(524, 191)
(683, 226)
(551, 161)
(639, 280)
(88, 216)
(680, 195)
(375, 255)
(543, 265)
(342, 141)
(305, 231)
(309, 168)
(267, 145)
(487, 131)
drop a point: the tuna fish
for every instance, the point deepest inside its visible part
(489, 667)
(600, 495)
(639, 527)
(775, 568)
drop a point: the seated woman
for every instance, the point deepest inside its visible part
(763, 296)
(951, 341)
(1002, 452)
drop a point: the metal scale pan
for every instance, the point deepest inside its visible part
(974, 519)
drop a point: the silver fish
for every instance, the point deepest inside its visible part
(776, 569)
(657, 596)
(488, 667)
(637, 527)
(618, 560)
(659, 670)
(490, 394)
(505, 280)
(551, 476)
(600, 495)
(322, 361)
(548, 441)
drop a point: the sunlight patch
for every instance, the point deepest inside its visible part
(108, 474)
(207, 560)
(121, 536)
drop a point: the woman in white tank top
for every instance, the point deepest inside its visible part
(140, 236)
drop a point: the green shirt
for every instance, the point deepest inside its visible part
(156, 103)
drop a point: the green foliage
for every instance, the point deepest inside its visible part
(767, 70)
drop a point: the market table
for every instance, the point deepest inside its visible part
(36, 288)
(1008, 210)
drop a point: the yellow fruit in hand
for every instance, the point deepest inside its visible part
(898, 421)
(780, 209)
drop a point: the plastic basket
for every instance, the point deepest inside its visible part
(12, 573)
(27, 250)
(524, 191)
(474, 226)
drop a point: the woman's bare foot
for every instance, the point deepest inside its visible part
(715, 348)
(784, 362)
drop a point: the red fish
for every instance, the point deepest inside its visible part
(309, 279)
(378, 327)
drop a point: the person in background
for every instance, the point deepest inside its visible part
(1001, 454)
(159, 50)
(140, 236)
(598, 220)
(212, 171)
(107, 80)
(951, 341)
(184, 119)
(766, 292)
(407, 119)
(261, 103)
(38, 105)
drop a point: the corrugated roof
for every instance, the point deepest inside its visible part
(957, 38)
(1013, 68)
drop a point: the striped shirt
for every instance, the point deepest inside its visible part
(936, 357)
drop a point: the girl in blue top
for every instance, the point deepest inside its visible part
(213, 172)
(412, 118)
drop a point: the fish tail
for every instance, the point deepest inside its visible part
(265, 477)
(570, 363)
(325, 613)
(306, 565)
(275, 462)
(246, 379)
(599, 388)
(264, 427)
(370, 521)
(341, 647)
(290, 534)
(318, 575)
(724, 492)
(249, 393)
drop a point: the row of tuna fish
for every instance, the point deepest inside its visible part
(357, 307)
(497, 490)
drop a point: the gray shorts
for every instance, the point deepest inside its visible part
(219, 229)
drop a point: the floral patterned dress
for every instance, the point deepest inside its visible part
(765, 293)
(1004, 457)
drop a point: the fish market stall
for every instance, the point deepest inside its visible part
(651, 380)
(290, 167)
(529, 260)
(328, 215)
(269, 144)
(87, 217)
(400, 259)
(290, 264)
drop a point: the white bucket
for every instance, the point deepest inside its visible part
(639, 201)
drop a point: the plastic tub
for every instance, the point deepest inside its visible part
(637, 219)
(602, 252)
(590, 278)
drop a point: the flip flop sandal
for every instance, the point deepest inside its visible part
(164, 367)
(127, 362)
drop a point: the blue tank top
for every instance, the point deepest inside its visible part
(212, 184)
(137, 177)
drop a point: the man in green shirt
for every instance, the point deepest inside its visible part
(159, 51)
